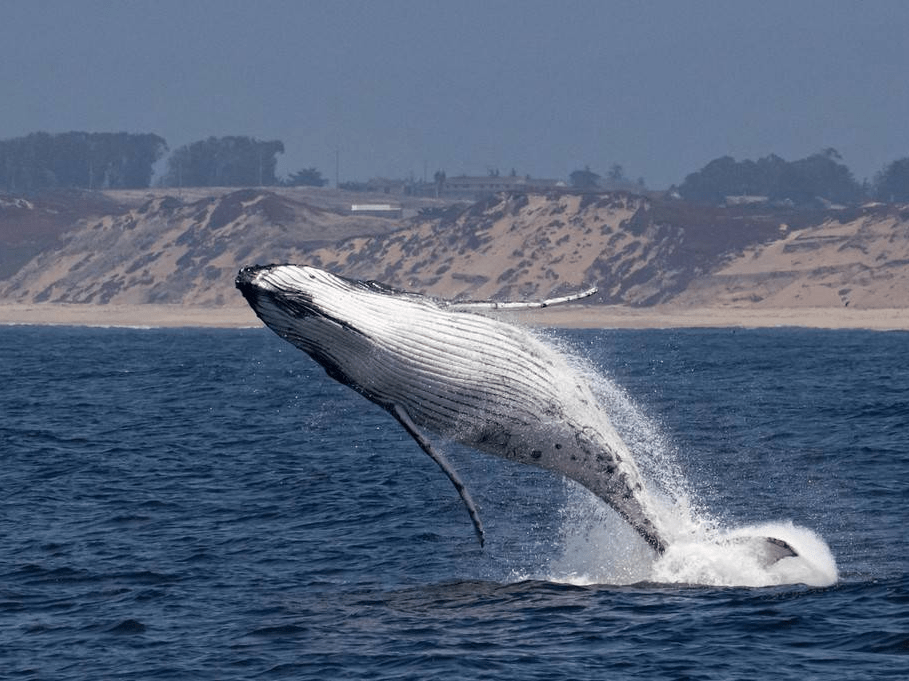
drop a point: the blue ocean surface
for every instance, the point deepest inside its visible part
(208, 504)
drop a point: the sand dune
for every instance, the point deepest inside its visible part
(164, 260)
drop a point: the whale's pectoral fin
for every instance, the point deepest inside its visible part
(768, 550)
(405, 420)
(474, 305)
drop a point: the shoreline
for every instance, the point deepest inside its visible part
(126, 316)
(669, 317)
(568, 316)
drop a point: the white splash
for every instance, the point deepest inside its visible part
(599, 548)
(728, 563)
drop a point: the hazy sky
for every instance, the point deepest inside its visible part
(542, 87)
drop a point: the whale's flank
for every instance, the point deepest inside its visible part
(441, 368)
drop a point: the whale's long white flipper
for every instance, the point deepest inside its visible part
(427, 447)
(473, 305)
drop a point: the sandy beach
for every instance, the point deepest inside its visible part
(139, 316)
(569, 316)
(659, 317)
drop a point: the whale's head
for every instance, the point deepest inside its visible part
(323, 314)
(290, 289)
(337, 321)
(295, 300)
(314, 310)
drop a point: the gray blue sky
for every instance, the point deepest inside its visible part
(659, 87)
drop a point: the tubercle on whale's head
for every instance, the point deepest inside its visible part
(290, 279)
(265, 277)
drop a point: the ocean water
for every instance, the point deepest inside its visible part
(207, 504)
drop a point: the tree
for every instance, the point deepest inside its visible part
(714, 182)
(224, 162)
(306, 177)
(892, 183)
(616, 174)
(819, 176)
(440, 178)
(584, 179)
(101, 160)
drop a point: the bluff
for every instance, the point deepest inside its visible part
(639, 251)
(173, 251)
(525, 246)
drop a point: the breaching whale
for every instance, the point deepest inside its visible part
(443, 368)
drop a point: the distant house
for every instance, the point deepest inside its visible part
(465, 187)
(385, 185)
(476, 187)
(746, 200)
(379, 210)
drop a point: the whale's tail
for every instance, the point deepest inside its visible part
(767, 550)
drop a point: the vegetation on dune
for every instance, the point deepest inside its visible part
(819, 176)
(100, 160)
(104, 160)
(224, 162)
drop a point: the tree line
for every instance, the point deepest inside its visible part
(820, 175)
(819, 178)
(122, 160)
(224, 162)
(102, 160)
(79, 159)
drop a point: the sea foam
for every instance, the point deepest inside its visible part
(598, 547)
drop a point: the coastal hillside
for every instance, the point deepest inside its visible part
(29, 226)
(171, 250)
(531, 246)
(858, 258)
(158, 248)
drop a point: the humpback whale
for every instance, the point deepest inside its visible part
(443, 368)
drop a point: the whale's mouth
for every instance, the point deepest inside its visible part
(245, 282)
(247, 275)
(252, 281)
